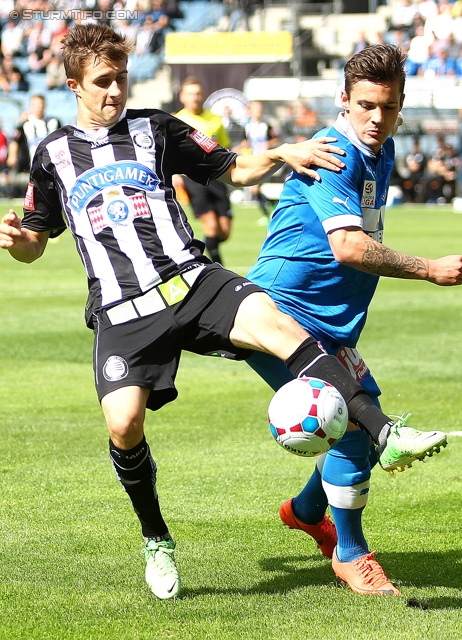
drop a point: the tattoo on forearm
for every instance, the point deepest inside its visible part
(386, 262)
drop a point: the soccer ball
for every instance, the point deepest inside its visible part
(307, 416)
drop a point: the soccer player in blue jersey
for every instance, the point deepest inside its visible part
(321, 263)
(152, 292)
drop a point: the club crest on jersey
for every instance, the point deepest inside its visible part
(369, 193)
(118, 209)
(143, 140)
(120, 174)
(206, 143)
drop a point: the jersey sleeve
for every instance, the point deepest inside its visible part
(195, 154)
(336, 200)
(42, 207)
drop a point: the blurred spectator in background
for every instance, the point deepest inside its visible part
(442, 24)
(29, 133)
(56, 74)
(127, 28)
(456, 10)
(399, 39)
(427, 9)
(440, 175)
(439, 64)
(419, 52)
(412, 174)
(11, 77)
(239, 14)
(261, 136)
(4, 177)
(403, 15)
(38, 46)
(449, 44)
(3, 148)
(304, 116)
(235, 131)
(435, 179)
(361, 44)
(151, 35)
(173, 11)
(12, 38)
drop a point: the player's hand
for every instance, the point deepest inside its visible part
(446, 271)
(11, 231)
(177, 181)
(319, 152)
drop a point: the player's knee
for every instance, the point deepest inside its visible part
(125, 422)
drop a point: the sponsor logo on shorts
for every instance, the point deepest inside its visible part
(240, 286)
(115, 368)
(352, 361)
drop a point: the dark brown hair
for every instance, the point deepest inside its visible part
(92, 42)
(377, 63)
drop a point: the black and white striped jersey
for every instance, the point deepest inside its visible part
(113, 190)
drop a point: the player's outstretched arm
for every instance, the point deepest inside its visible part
(24, 245)
(252, 169)
(356, 249)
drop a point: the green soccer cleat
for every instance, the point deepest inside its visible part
(162, 575)
(404, 445)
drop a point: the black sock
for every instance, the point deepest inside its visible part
(136, 471)
(211, 244)
(264, 204)
(309, 360)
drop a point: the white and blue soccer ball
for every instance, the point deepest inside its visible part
(307, 416)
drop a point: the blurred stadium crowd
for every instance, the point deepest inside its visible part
(429, 31)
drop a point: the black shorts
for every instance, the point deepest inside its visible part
(145, 351)
(214, 197)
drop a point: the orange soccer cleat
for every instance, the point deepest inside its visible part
(323, 532)
(364, 576)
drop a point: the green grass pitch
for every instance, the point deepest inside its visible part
(71, 566)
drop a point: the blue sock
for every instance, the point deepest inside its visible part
(346, 475)
(311, 503)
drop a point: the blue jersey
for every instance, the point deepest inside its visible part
(296, 265)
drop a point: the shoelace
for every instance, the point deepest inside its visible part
(371, 571)
(163, 559)
(400, 421)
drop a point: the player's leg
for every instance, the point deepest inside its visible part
(126, 380)
(307, 511)
(263, 204)
(203, 204)
(260, 325)
(136, 470)
(211, 231)
(341, 478)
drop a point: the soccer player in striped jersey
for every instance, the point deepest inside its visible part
(321, 263)
(152, 292)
